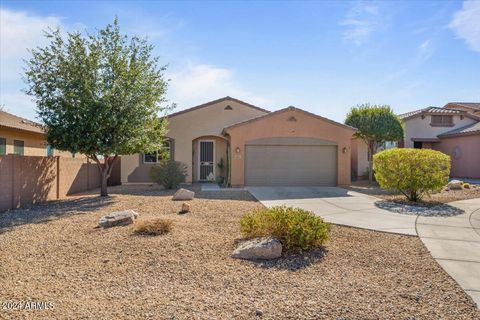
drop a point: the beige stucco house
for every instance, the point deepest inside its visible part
(24, 137)
(286, 147)
(453, 130)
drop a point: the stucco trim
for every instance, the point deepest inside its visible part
(227, 98)
(290, 108)
(288, 141)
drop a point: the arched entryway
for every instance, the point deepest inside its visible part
(209, 159)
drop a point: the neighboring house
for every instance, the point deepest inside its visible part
(453, 130)
(24, 137)
(286, 147)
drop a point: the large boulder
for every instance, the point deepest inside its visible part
(455, 185)
(119, 218)
(259, 248)
(183, 194)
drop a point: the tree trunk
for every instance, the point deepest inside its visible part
(103, 188)
(105, 169)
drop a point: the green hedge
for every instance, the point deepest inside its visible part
(412, 172)
(294, 228)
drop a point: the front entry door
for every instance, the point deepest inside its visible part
(206, 160)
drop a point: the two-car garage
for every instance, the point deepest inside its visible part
(290, 147)
(290, 162)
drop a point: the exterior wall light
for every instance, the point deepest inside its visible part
(237, 150)
(345, 150)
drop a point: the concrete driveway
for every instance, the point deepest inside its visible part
(337, 205)
(453, 241)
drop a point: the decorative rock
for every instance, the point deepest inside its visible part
(183, 194)
(455, 185)
(259, 248)
(119, 218)
(185, 208)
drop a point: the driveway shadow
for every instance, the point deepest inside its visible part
(420, 209)
(293, 261)
(44, 212)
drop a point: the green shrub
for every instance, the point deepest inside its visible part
(169, 173)
(412, 172)
(294, 228)
(466, 185)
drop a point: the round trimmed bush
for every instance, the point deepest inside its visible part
(295, 228)
(412, 172)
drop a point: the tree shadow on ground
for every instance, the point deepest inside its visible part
(424, 209)
(293, 261)
(52, 210)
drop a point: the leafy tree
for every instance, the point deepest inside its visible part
(98, 94)
(376, 125)
(412, 172)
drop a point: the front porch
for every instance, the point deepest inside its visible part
(210, 158)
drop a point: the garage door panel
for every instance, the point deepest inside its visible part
(291, 165)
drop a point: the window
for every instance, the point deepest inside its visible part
(3, 146)
(18, 147)
(50, 151)
(163, 154)
(442, 121)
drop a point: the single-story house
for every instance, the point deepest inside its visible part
(453, 130)
(285, 147)
(24, 137)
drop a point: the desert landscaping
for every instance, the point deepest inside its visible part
(90, 273)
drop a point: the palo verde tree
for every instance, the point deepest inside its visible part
(98, 94)
(376, 125)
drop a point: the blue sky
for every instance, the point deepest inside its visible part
(323, 57)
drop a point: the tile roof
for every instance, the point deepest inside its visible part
(430, 110)
(467, 130)
(290, 108)
(12, 121)
(227, 98)
(471, 105)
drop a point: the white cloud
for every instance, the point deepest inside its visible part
(466, 24)
(199, 83)
(19, 31)
(425, 51)
(360, 22)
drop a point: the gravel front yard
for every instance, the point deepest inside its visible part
(91, 273)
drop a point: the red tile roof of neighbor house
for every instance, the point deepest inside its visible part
(467, 130)
(15, 122)
(431, 110)
(471, 105)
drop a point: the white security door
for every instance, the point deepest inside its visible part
(206, 160)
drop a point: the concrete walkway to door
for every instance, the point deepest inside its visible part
(454, 242)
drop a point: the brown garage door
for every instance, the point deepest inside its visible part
(291, 165)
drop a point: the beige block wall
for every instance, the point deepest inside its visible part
(25, 180)
(421, 128)
(465, 154)
(306, 126)
(34, 143)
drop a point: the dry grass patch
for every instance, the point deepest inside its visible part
(153, 227)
